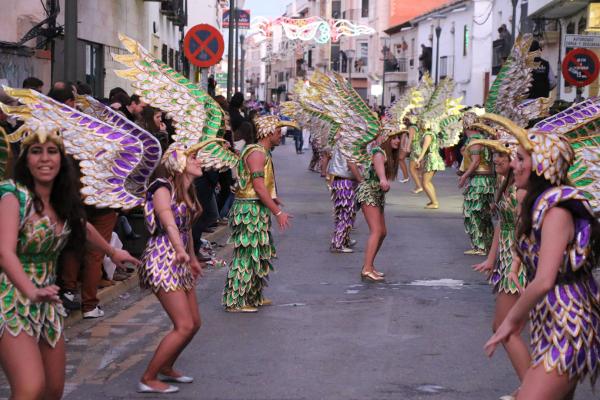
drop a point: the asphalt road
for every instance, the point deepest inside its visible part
(328, 335)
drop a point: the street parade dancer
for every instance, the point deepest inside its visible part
(558, 237)
(250, 220)
(345, 177)
(508, 98)
(438, 127)
(170, 267)
(478, 180)
(355, 127)
(41, 211)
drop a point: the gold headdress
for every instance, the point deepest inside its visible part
(266, 125)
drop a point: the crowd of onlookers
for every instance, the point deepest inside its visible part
(89, 271)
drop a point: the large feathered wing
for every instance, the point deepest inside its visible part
(197, 116)
(581, 124)
(107, 156)
(508, 94)
(151, 154)
(331, 95)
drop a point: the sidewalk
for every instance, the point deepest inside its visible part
(108, 294)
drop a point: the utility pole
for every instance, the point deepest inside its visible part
(70, 60)
(230, 50)
(438, 32)
(242, 57)
(237, 45)
(514, 19)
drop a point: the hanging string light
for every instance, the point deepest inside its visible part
(313, 28)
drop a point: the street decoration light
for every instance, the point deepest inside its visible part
(313, 28)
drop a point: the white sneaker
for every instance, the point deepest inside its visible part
(147, 389)
(95, 313)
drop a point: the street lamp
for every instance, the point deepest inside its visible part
(438, 32)
(350, 56)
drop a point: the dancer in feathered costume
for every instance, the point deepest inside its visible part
(506, 273)
(479, 182)
(332, 99)
(169, 264)
(438, 123)
(250, 220)
(558, 240)
(343, 174)
(40, 211)
(345, 178)
(424, 89)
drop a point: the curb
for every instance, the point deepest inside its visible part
(108, 294)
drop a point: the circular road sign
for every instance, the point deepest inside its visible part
(203, 45)
(580, 67)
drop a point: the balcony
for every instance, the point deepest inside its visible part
(174, 10)
(552, 9)
(396, 69)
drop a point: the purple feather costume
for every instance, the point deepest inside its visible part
(159, 269)
(343, 195)
(565, 324)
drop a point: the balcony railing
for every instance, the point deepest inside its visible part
(174, 10)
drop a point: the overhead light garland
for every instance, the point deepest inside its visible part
(313, 28)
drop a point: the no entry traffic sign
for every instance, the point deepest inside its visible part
(580, 67)
(203, 45)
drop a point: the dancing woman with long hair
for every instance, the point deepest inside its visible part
(558, 241)
(507, 276)
(370, 194)
(41, 211)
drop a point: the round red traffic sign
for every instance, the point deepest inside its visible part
(580, 67)
(203, 45)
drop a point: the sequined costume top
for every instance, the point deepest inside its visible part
(433, 160)
(565, 323)
(506, 209)
(159, 270)
(368, 191)
(485, 159)
(38, 248)
(246, 189)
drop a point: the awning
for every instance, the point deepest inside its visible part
(553, 9)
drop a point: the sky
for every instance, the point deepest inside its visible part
(266, 8)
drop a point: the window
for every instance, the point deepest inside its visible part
(365, 9)
(443, 67)
(363, 55)
(165, 54)
(465, 40)
(412, 53)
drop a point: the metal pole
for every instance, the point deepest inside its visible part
(350, 70)
(70, 55)
(242, 56)
(230, 50)
(383, 85)
(514, 19)
(237, 45)
(438, 32)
